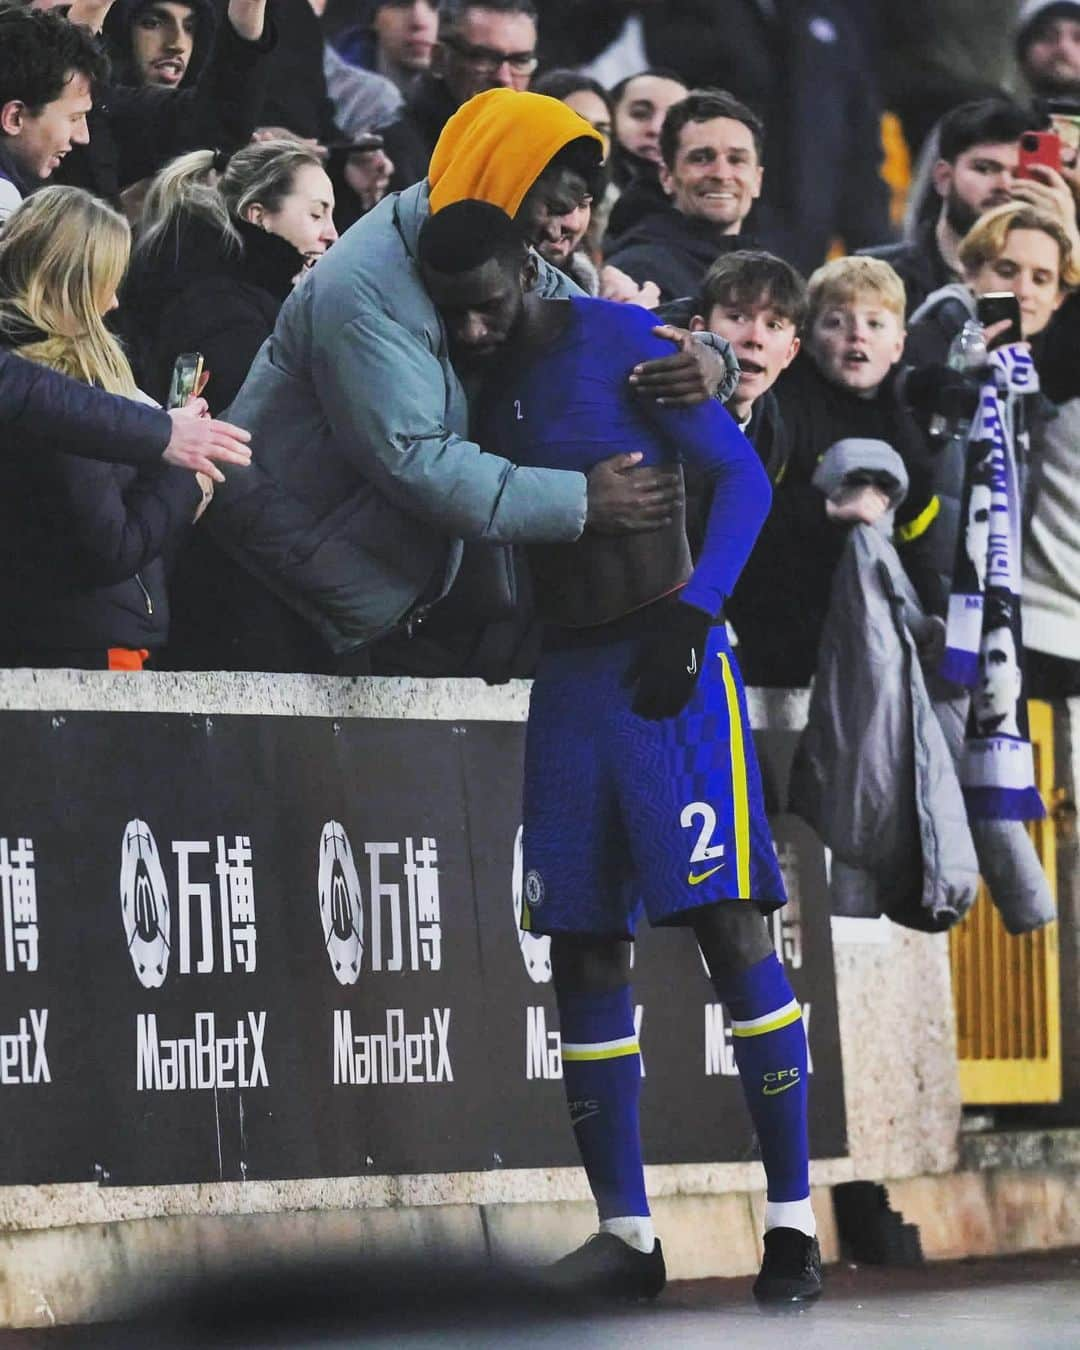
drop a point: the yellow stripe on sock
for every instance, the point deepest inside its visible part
(739, 793)
(578, 1054)
(784, 1020)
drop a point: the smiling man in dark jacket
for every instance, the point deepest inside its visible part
(798, 63)
(712, 174)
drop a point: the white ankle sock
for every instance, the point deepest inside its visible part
(636, 1231)
(791, 1214)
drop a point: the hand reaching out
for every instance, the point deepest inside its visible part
(616, 285)
(858, 506)
(198, 440)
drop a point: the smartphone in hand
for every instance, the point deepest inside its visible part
(1039, 147)
(993, 308)
(186, 379)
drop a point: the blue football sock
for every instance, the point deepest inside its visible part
(770, 1050)
(602, 1077)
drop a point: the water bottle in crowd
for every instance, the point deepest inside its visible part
(967, 352)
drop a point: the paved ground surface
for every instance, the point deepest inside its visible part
(1023, 1303)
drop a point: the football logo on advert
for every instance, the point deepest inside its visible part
(144, 904)
(339, 903)
(535, 949)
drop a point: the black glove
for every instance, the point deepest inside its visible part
(952, 394)
(668, 662)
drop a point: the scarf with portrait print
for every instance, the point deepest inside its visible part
(984, 648)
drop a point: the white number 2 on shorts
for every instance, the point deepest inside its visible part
(704, 850)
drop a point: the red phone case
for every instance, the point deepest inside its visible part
(1047, 152)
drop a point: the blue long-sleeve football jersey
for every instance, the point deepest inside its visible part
(570, 405)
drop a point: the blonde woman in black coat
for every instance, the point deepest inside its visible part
(82, 544)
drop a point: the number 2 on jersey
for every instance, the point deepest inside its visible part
(519, 416)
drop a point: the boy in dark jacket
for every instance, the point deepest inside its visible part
(843, 385)
(758, 303)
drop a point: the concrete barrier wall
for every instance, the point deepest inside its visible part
(896, 1025)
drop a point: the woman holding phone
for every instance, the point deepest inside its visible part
(1015, 248)
(1019, 251)
(82, 577)
(216, 259)
(220, 247)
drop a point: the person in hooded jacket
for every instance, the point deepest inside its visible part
(367, 485)
(82, 576)
(137, 128)
(159, 42)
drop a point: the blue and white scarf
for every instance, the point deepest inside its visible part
(984, 647)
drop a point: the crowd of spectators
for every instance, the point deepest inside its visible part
(746, 146)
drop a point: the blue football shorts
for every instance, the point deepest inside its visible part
(623, 814)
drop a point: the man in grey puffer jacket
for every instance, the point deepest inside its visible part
(366, 482)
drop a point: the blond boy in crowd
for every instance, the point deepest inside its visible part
(842, 385)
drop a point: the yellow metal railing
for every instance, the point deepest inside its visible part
(1007, 989)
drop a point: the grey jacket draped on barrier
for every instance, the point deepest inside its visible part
(873, 773)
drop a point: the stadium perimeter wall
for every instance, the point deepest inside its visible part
(83, 1251)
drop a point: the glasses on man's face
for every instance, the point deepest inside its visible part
(486, 60)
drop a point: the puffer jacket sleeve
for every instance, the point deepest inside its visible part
(38, 405)
(401, 443)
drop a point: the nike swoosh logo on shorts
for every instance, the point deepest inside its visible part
(691, 669)
(696, 881)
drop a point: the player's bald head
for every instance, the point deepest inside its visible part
(476, 268)
(467, 235)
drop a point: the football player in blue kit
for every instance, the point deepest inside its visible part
(642, 790)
